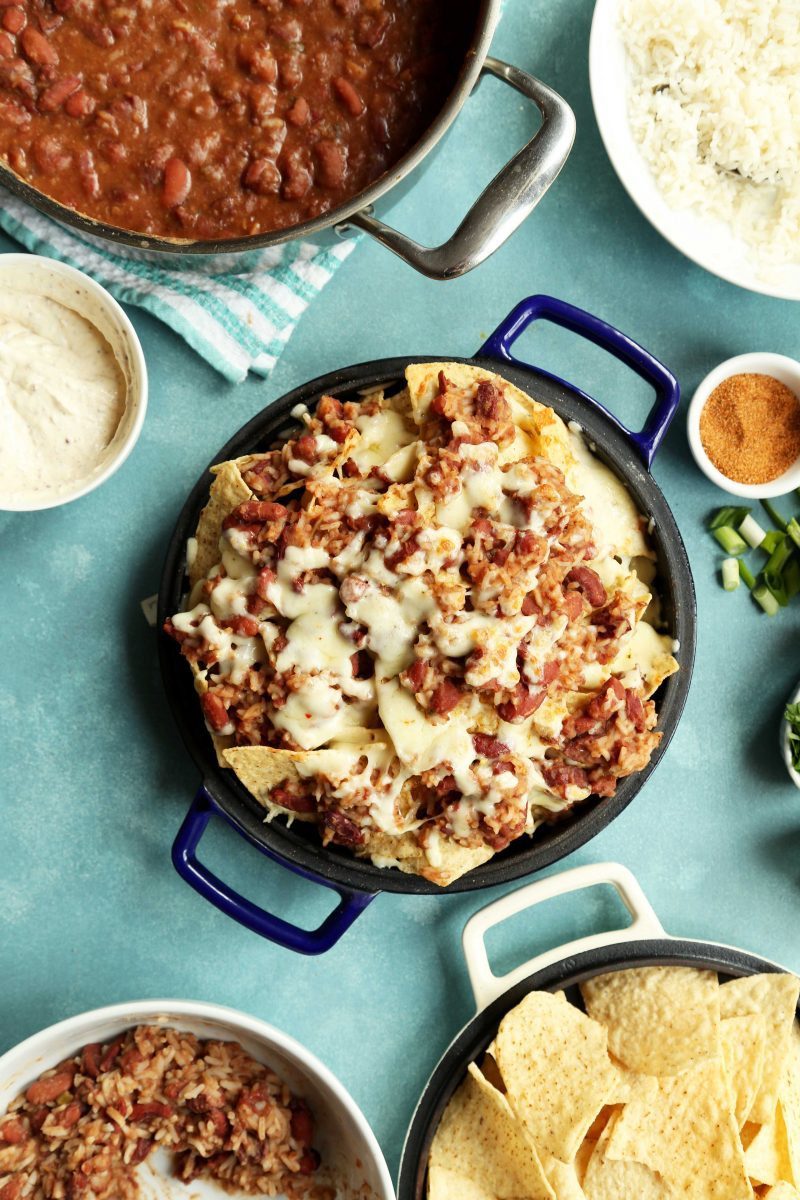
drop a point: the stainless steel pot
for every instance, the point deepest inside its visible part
(499, 210)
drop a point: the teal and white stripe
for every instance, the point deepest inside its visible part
(238, 323)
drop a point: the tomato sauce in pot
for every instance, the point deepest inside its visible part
(206, 119)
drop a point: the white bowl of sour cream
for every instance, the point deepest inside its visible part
(73, 383)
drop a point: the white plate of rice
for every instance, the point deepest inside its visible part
(698, 104)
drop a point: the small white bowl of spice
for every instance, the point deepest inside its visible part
(73, 383)
(744, 425)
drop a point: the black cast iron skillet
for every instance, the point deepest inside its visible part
(644, 943)
(357, 881)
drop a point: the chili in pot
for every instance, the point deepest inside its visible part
(223, 120)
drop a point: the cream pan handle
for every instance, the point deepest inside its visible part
(487, 986)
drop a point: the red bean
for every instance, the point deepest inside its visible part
(296, 180)
(262, 176)
(14, 20)
(50, 155)
(13, 1131)
(90, 1060)
(37, 48)
(255, 510)
(309, 1162)
(302, 1124)
(331, 163)
(177, 182)
(7, 47)
(79, 104)
(487, 746)
(342, 829)
(349, 97)
(635, 710)
(259, 60)
(445, 697)
(300, 113)
(54, 96)
(71, 1114)
(214, 711)
(589, 582)
(44, 1090)
(152, 1108)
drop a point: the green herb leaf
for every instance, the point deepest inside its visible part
(792, 718)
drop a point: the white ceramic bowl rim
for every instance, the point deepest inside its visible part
(135, 370)
(709, 243)
(73, 1029)
(779, 366)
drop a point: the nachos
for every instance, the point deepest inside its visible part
(425, 622)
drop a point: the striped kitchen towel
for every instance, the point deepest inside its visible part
(238, 323)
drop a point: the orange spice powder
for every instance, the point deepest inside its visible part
(750, 428)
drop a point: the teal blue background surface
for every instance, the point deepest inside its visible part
(94, 781)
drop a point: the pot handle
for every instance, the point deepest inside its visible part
(668, 394)
(265, 924)
(486, 986)
(505, 203)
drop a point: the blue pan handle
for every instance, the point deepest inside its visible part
(646, 440)
(275, 929)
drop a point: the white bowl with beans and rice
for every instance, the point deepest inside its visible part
(351, 1161)
(73, 383)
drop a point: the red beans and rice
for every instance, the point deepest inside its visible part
(82, 1128)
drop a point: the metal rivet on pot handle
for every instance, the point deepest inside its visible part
(506, 202)
(487, 986)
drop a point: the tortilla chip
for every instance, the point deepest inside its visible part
(563, 1178)
(782, 1191)
(743, 1041)
(683, 1129)
(775, 996)
(554, 1061)
(263, 768)
(440, 861)
(680, 1003)
(766, 1158)
(227, 491)
(444, 1184)
(480, 1138)
(539, 430)
(610, 1179)
(789, 1097)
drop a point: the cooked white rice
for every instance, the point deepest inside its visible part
(714, 102)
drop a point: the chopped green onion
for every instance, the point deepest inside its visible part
(773, 514)
(773, 581)
(791, 577)
(772, 539)
(728, 516)
(792, 718)
(746, 574)
(778, 557)
(729, 540)
(793, 530)
(730, 574)
(752, 532)
(765, 598)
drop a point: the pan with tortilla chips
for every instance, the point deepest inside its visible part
(433, 632)
(642, 1067)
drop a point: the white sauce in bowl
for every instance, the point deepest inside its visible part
(62, 394)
